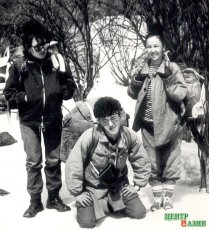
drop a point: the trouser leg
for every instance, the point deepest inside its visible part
(172, 162)
(52, 139)
(85, 216)
(134, 207)
(156, 180)
(172, 169)
(154, 156)
(32, 145)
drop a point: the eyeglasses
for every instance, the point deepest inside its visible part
(105, 121)
(38, 47)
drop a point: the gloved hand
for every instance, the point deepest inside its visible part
(21, 97)
(128, 190)
(64, 91)
(84, 199)
(166, 74)
(140, 77)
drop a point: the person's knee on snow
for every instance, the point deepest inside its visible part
(85, 216)
(134, 207)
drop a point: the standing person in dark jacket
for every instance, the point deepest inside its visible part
(37, 84)
(160, 89)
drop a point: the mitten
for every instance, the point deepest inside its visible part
(140, 77)
(166, 74)
(64, 91)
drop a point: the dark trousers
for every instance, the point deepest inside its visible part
(134, 208)
(31, 137)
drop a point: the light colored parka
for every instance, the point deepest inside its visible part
(167, 95)
(80, 179)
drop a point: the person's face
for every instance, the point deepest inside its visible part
(37, 49)
(155, 49)
(111, 125)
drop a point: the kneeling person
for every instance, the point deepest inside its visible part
(96, 171)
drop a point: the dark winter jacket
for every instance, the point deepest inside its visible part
(43, 86)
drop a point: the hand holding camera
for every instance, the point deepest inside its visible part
(56, 58)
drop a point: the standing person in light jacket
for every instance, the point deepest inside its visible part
(159, 89)
(37, 84)
(96, 170)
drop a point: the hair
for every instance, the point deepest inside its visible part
(33, 28)
(159, 36)
(106, 106)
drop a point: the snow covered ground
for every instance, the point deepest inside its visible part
(13, 179)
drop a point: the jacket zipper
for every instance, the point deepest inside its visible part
(44, 97)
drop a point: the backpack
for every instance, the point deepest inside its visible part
(194, 86)
(21, 70)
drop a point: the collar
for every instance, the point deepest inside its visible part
(119, 143)
(30, 60)
(145, 69)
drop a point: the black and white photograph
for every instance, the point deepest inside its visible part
(104, 114)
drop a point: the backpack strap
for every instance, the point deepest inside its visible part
(91, 112)
(127, 137)
(21, 65)
(93, 145)
(18, 64)
(95, 141)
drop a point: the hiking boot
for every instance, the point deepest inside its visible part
(33, 209)
(167, 202)
(157, 203)
(57, 203)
